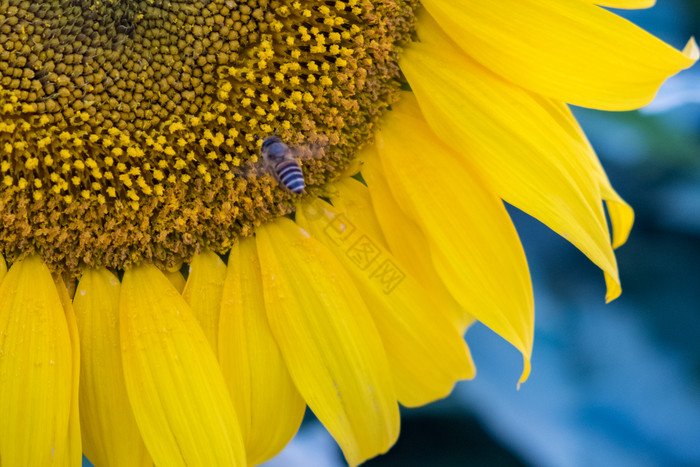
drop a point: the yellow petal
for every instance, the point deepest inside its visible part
(267, 403)
(473, 243)
(352, 199)
(36, 358)
(71, 452)
(203, 292)
(176, 279)
(407, 242)
(179, 398)
(624, 4)
(531, 154)
(328, 340)
(621, 214)
(110, 434)
(574, 52)
(426, 353)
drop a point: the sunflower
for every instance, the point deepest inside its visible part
(169, 303)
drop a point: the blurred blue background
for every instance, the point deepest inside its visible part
(612, 385)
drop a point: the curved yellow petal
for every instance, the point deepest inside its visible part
(473, 243)
(426, 353)
(621, 214)
(407, 242)
(328, 340)
(178, 395)
(72, 451)
(574, 52)
(110, 435)
(36, 359)
(531, 154)
(202, 292)
(624, 4)
(268, 404)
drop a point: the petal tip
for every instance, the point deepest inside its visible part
(526, 371)
(614, 289)
(691, 49)
(613, 294)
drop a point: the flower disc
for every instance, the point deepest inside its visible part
(131, 129)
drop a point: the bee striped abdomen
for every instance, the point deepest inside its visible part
(290, 176)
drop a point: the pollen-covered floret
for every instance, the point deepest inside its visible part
(130, 129)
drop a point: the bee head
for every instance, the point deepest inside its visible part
(270, 140)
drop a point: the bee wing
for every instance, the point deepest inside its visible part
(254, 170)
(309, 151)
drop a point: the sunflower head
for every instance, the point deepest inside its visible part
(130, 140)
(130, 129)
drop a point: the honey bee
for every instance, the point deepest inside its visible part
(282, 162)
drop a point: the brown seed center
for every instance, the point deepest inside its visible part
(130, 130)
